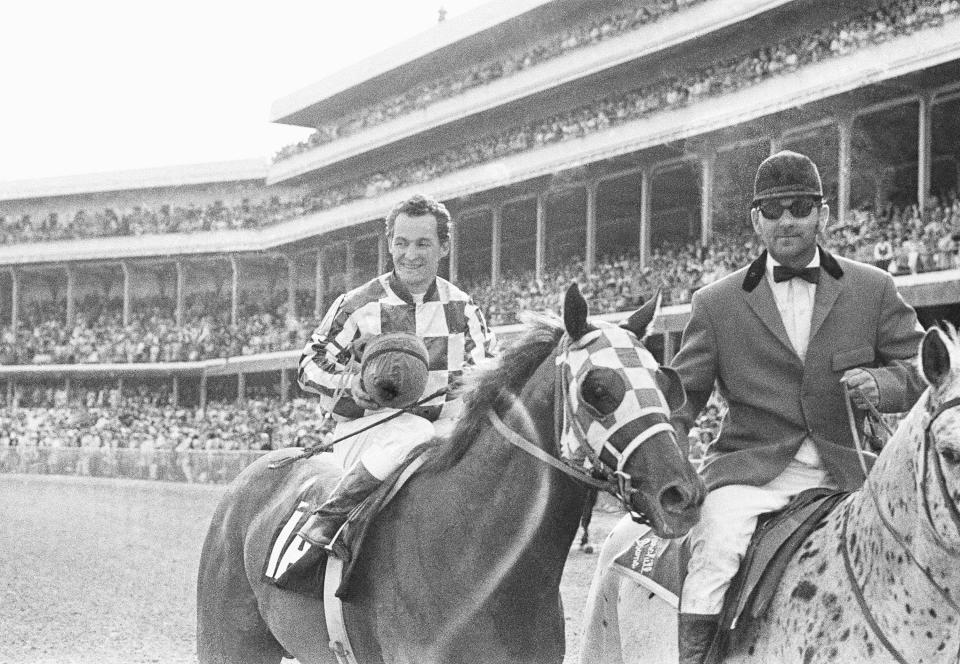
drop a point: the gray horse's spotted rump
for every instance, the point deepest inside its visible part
(878, 582)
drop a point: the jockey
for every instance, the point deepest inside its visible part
(412, 299)
(781, 339)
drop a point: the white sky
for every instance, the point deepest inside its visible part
(107, 85)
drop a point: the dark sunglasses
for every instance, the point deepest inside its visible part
(800, 207)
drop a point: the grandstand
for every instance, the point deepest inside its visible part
(602, 141)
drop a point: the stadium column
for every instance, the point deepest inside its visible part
(203, 391)
(71, 278)
(291, 288)
(350, 263)
(452, 263)
(125, 268)
(776, 144)
(496, 234)
(924, 148)
(284, 385)
(383, 249)
(318, 285)
(540, 262)
(234, 288)
(669, 347)
(845, 135)
(14, 299)
(590, 251)
(175, 391)
(707, 163)
(241, 387)
(178, 313)
(646, 179)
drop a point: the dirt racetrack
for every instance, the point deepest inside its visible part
(104, 571)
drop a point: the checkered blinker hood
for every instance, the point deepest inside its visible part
(612, 397)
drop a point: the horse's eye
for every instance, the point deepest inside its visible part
(602, 389)
(951, 455)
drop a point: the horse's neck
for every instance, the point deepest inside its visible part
(892, 550)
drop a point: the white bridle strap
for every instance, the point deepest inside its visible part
(662, 427)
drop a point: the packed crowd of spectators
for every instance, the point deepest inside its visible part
(152, 335)
(143, 436)
(143, 220)
(632, 16)
(617, 283)
(891, 19)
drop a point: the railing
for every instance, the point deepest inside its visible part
(194, 466)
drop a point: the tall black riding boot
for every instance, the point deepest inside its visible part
(350, 491)
(695, 634)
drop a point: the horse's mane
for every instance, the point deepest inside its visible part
(485, 387)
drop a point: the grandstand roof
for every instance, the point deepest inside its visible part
(307, 106)
(147, 178)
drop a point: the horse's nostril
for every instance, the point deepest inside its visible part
(674, 499)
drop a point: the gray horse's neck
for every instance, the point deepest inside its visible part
(899, 565)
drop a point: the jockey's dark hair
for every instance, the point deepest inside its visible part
(489, 387)
(417, 206)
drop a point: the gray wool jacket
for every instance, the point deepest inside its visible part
(736, 339)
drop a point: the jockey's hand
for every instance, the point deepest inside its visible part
(360, 395)
(862, 387)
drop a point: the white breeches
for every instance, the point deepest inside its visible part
(384, 447)
(727, 521)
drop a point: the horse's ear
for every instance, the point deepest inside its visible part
(640, 319)
(935, 356)
(575, 313)
(670, 384)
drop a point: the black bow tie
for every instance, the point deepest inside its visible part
(784, 273)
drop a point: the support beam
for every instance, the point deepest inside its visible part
(383, 254)
(669, 347)
(67, 387)
(203, 392)
(590, 246)
(776, 144)
(14, 299)
(924, 148)
(175, 391)
(125, 268)
(284, 385)
(71, 299)
(12, 393)
(241, 388)
(453, 262)
(234, 288)
(179, 309)
(845, 133)
(291, 288)
(350, 264)
(496, 225)
(541, 252)
(318, 282)
(646, 183)
(707, 174)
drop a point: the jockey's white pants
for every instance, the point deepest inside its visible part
(727, 521)
(383, 448)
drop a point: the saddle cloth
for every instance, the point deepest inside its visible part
(295, 564)
(660, 565)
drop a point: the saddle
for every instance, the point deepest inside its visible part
(660, 565)
(295, 564)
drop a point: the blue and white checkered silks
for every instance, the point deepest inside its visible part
(611, 347)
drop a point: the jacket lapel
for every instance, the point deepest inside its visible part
(761, 301)
(828, 290)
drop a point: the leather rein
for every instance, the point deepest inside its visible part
(897, 536)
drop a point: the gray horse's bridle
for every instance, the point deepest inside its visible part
(926, 446)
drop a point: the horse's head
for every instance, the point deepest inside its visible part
(618, 402)
(939, 453)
